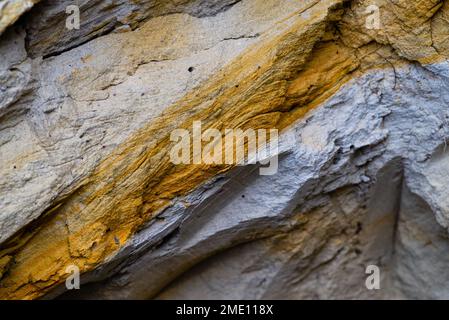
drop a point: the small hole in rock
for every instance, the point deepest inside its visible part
(359, 228)
(191, 69)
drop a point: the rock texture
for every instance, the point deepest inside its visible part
(86, 179)
(11, 10)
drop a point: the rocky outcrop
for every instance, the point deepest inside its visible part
(86, 177)
(11, 10)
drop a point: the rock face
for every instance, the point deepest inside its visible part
(10, 11)
(357, 89)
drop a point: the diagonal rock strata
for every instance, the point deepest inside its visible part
(93, 122)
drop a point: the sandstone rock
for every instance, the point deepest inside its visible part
(86, 177)
(11, 10)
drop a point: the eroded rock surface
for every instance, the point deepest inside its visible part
(86, 178)
(11, 10)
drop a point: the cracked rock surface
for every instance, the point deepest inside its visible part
(86, 178)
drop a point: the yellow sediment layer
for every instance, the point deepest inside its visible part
(271, 85)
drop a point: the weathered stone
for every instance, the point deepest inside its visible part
(100, 17)
(86, 179)
(11, 10)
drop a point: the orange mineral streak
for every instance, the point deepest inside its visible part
(296, 67)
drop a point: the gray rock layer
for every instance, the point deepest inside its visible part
(358, 185)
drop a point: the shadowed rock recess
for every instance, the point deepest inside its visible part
(86, 178)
